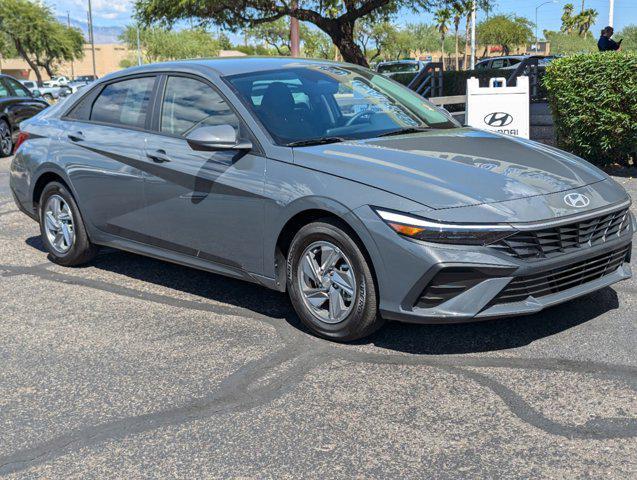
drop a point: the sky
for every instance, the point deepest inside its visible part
(119, 12)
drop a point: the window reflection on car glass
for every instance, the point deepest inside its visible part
(124, 103)
(4, 92)
(18, 89)
(190, 103)
(296, 104)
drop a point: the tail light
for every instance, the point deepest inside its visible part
(22, 137)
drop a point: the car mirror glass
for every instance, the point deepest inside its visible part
(36, 93)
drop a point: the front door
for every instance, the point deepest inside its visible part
(202, 203)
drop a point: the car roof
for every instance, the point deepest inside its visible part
(225, 66)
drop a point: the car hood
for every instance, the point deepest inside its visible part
(452, 168)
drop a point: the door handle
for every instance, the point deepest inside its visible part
(76, 136)
(158, 156)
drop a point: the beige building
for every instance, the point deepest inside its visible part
(107, 59)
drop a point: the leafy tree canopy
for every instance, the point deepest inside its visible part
(567, 44)
(30, 30)
(336, 18)
(160, 44)
(506, 31)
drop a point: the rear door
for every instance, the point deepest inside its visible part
(103, 149)
(207, 204)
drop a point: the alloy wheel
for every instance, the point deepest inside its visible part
(327, 282)
(58, 224)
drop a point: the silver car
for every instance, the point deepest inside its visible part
(359, 198)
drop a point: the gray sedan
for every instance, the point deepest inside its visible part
(355, 195)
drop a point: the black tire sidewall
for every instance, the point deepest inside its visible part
(6, 154)
(82, 250)
(363, 319)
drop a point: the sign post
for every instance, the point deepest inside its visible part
(499, 108)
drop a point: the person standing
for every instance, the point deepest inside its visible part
(605, 43)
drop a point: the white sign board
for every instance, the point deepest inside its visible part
(499, 108)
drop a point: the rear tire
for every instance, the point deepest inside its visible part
(339, 301)
(6, 139)
(62, 228)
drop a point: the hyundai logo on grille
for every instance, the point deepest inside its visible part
(498, 119)
(576, 200)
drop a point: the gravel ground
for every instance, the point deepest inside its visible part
(136, 368)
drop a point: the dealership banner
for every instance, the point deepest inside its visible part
(499, 108)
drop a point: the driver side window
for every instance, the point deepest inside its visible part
(18, 89)
(190, 103)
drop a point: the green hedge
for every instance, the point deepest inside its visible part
(594, 102)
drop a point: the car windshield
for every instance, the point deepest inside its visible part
(313, 103)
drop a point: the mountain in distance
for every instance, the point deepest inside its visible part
(102, 34)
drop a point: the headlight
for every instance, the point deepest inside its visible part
(432, 231)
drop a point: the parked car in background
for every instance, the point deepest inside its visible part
(50, 94)
(85, 79)
(389, 69)
(59, 81)
(17, 103)
(510, 62)
(261, 169)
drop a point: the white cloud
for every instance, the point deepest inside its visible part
(114, 11)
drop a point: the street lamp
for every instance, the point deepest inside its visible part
(536, 9)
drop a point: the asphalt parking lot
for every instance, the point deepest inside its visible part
(132, 367)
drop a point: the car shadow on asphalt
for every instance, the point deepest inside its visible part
(485, 336)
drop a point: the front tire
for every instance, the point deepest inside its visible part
(330, 282)
(62, 228)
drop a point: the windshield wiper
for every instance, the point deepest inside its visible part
(403, 131)
(315, 141)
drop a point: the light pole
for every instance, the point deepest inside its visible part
(536, 9)
(90, 32)
(611, 11)
(473, 35)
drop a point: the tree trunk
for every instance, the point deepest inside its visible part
(457, 51)
(31, 63)
(342, 35)
(442, 51)
(467, 41)
(49, 70)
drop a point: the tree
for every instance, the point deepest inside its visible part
(568, 20)
(61, 44)
(275, 34)
(584, 21)
(629, 36)
(334, 17)
(505, 31)
(442, 24)
(37, 36)
(315, 44)
(458, 10)
(565, 44)
(160, 44)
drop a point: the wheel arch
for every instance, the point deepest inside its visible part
(311, 210)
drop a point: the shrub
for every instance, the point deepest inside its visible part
(593, 100)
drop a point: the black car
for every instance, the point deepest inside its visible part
(17, 103)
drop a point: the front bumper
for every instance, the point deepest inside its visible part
(409, 267)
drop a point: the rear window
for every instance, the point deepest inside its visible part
(124, 103)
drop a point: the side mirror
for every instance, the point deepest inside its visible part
(218, 137)
(36, 93)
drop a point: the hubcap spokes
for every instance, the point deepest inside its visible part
(326, 281)
(58, 224)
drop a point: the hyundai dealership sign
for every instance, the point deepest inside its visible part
(499, 108)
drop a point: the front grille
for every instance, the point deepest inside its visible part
(448, 283)
(554, 241)
(563, 278)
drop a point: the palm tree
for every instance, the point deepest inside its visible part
(584, 21)
(458, 9)
(442, 25)
(468, 7)
(568, 21)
